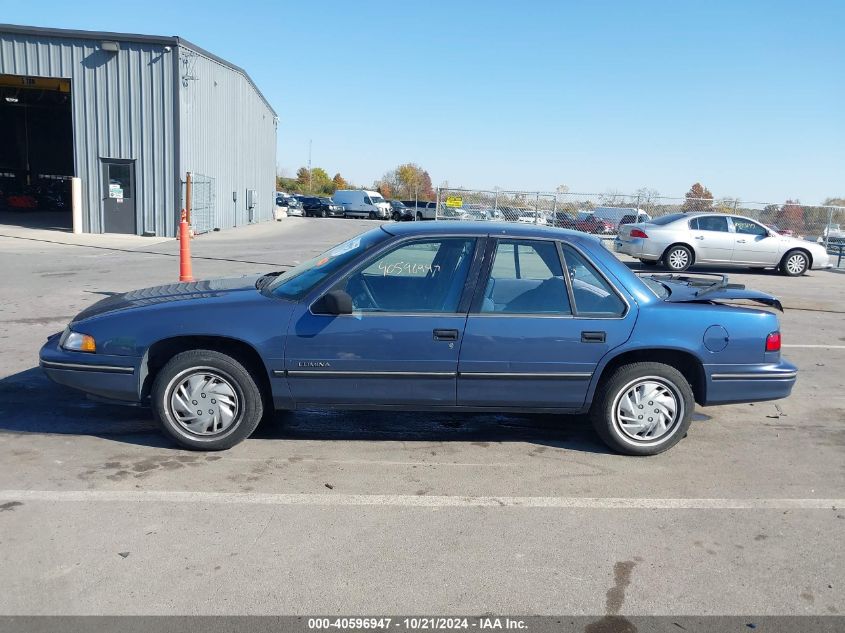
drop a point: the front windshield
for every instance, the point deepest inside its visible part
(656, 287)
(376, 199)
(296, 282)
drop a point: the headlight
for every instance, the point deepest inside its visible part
(77, 342)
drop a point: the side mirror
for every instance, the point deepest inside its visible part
(334, 302)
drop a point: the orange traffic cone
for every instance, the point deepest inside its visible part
(185, 273)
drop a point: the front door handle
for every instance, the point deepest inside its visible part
(593, 337)
(740, 241)
(699, 237)
(445, 335)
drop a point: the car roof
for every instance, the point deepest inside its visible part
(507, 229)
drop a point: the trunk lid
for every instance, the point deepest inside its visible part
(707, 288)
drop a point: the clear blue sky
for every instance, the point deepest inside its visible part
(745, 96)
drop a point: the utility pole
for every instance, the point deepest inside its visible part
(310, 180)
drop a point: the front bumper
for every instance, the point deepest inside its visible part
(107, 376)
(749, 383)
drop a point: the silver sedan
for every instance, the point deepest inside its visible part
(681, 240)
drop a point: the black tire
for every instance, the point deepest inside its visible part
(677, 258)
(606, 408)
(648, 262)
(249, 403)
(794, 264)
(396, 217)
(324, 214)
(419, 216)
(371, 215)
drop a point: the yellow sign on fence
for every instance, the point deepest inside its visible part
(455, 202)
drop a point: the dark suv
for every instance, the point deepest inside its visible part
(321, 207)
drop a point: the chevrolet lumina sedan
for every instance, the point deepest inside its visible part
(681, 240)
(434, 316)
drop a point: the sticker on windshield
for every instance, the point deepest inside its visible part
(345, 247)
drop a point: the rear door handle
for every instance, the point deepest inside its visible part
(740, 241)
(699, 237)
(445, 335)
(593, 337)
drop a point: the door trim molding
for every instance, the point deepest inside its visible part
(314, 373)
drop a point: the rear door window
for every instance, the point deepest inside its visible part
(526, 278)
(713, 223)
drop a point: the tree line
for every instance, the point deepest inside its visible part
(408, 181)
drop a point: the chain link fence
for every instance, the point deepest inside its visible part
(203, 215)
(602, 214)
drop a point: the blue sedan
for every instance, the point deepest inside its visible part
(439, 316)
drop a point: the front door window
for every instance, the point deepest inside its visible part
(420, 277)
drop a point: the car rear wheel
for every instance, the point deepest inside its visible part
(678, 258)
(205, 400)
(643, 408)
(794, 264)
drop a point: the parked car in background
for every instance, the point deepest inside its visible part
(360, 203)
(597, 226)
(389, 320)
(399, 212)
(423, 209)
(482, 213)
(562, 220)
(620, 215)
(682, 240)
(321, 207)
(833, 234)
(530, 216)
(451, 213)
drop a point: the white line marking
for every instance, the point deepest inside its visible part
(421, 501)
(818, 346)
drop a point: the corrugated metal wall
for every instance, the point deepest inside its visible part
(123, 107)
(228, 133)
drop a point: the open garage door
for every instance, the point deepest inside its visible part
(36, 151)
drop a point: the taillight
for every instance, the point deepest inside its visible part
(638, 233)
(773, 342)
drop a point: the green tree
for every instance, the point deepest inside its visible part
(698, 198)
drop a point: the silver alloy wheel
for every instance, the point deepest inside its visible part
(678, 259)
(648, 409)
(796, 264)
(203, 402)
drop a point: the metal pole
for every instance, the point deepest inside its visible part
(537, 209)
(827, 233)
(496, 200)
(188, 198)
(437, 204)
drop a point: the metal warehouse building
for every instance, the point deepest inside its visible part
(129, 116)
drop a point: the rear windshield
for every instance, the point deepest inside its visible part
(656, 287)
(668, 219)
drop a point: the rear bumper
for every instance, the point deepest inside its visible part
(638, 247)
(112, 377)
(749, 383)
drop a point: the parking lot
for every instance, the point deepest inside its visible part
(357, 512)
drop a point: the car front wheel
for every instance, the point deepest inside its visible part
(794, 264)
(205, 400)
(643, 408)
(678, 258)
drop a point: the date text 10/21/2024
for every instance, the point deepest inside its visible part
(417, 623)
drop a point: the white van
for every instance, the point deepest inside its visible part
(621, 215)
(360, 203)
